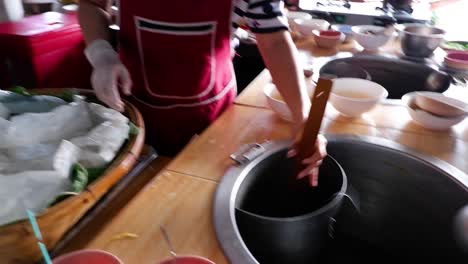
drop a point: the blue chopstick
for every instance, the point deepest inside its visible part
(45, 253)
(35, 226)
(37, 233)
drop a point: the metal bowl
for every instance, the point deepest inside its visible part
(421, 40)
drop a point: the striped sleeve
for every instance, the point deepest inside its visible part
(260, 16)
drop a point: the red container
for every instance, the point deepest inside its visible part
(88, 256)
(43, 51)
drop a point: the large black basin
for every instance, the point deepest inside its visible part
(398, 76)
(408, 203)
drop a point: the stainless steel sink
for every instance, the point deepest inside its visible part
(397, 75)
(408, 202)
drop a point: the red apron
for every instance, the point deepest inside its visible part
(178, 54)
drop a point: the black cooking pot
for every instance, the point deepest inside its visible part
(410, 208)
(398, 76)
(280, 223)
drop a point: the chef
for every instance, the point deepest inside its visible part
(175, 63)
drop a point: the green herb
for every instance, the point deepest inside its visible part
(134, 130)
(67, 95)
(456, 46)
(79, 178)
(20, 90)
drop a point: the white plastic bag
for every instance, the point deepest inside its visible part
(64, 122)
(35, 189)
(101, 144)
(4, 112)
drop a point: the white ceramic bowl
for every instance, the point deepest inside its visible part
(352, 97)
(291, 15)
(426, 119)
(276, 103)
(306, 26)
(439, 104)
(370, 41)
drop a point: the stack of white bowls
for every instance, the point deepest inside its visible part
(435, 111)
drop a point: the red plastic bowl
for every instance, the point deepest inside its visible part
(457, 60)
(87, 256)
(187, 260)
(330, 33)
(328, 38)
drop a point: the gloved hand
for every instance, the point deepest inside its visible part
(109, 76)
(313, 162)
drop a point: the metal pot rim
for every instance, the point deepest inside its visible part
(227, 232)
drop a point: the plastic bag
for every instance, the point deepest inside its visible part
(34, 189)
(64, 122)
(34, 104)
(102, 143)
(4, 112)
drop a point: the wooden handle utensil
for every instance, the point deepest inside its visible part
(305, 146)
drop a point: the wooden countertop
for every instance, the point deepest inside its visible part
(182, 204)
(390, 114)
(181, 196)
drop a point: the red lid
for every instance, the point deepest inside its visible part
(31, 34)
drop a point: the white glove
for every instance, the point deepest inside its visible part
(109, 74)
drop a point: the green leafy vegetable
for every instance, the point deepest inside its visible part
(456, 46)
(79, 178)
(134, 130)
(20, 90)
(68, 95)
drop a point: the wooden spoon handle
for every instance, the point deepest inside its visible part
(311, 130)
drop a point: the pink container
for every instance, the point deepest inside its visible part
(328, 38)
(87, 257)
(187, 260)
(457, 60)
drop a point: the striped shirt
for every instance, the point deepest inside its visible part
(259, 16)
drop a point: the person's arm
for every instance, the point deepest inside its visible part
(109, 75)
(266, 19)
(94, 18)
(280, 56)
